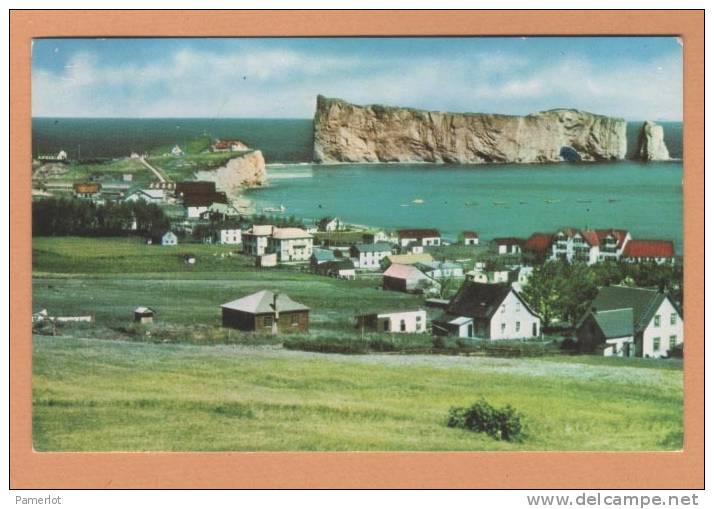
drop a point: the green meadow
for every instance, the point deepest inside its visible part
(187, 384)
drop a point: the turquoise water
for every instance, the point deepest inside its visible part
(646, 199)
(495, 200)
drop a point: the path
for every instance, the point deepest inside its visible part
(159, 173)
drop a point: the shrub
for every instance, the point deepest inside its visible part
(499, 423)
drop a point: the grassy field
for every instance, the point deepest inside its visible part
(91, 395)
(111, 386)
(183, 168)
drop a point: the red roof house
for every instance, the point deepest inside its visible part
(649, 249)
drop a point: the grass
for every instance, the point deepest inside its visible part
(115, 168)
(183, 167)
(93, 395)
(234, 391)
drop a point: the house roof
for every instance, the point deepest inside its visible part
(590, 237)
(619, 235)
(418, 233)
(261, 230)
(644, 302)
(470, 234)
(262, 302)
(225, 144)
(143, 310)
(377, 247)
(509, 241)
(649, 249)
(400, 271)
(410, 259)
(323, 255)
(538, 242)
(195, 187)
(204, 199)
(290, 233)
(478, 300)
(616, 323)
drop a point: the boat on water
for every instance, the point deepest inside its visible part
(584, 201)
(280, 209)
(552, 201)
(418, 201)
(470, 204)
(500, 203)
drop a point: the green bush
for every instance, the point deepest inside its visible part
(500, 423)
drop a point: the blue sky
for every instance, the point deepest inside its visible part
(636, 78)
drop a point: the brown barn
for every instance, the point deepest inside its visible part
(87, 188)
(266, 312)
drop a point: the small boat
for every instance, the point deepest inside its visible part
(418, 201)
(612, 200)
(500, 203)
(281, 208)
(552, 201)
(405, 205)
(584, 201)
(470, 204)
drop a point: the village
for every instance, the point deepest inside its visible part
(471, 288)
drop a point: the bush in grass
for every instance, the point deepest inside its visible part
(500, 423)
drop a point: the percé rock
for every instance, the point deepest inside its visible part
(650, 143)
(238, 173)
(345, 132)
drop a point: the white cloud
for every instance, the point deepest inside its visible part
(284, 83)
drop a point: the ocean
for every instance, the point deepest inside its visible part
(495, 200)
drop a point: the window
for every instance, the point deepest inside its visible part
(518, 307)
(386, 325)
(267, 321)
(655, 344)
(402, 325)
(673, 319)
(503, 328)
(672, 342)
(503, 308)
(656, 320)
(418, 318)
(518, 326)
(295, 319)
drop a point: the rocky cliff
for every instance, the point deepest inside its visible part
(345, 132)
(650, 143)
(243, 171)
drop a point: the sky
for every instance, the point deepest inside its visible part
(636, 78)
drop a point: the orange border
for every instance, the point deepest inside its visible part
(342, 470)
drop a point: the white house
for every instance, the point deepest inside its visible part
(369, 256)
(626, 321)
(61, 155)
(649, 251)
(290, 244)
(176, 151)
(508, 245)
(421, 236)
(255, 239)
(330, 224)
(147, 195)
(443, 269)
(488, 276)
(230, 236)
(399, 321)
(470, 238)
(488, 311)
(588, 246)
(169, 239)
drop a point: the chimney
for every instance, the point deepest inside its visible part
(276, 314)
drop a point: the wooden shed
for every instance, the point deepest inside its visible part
(266, 312)
(144, 315)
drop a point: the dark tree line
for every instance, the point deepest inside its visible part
(61, 216)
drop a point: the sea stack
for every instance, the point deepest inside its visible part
(650, 144)
(345, 132)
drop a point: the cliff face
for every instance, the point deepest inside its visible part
(650, 144)
(346, 132)
(238, 173)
